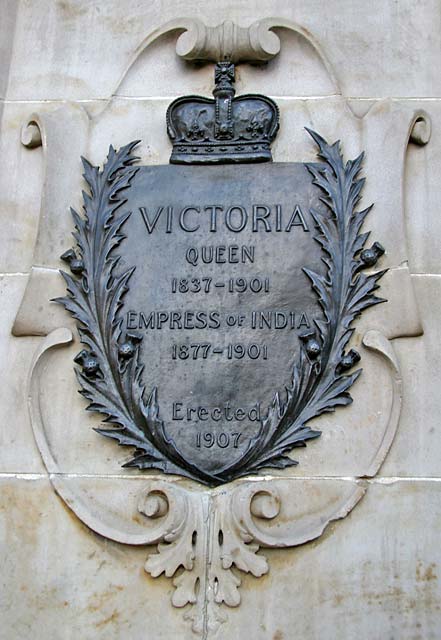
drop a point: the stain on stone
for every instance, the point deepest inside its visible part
(71, 10)
(109, 620)
(425, 574)
(337, 599)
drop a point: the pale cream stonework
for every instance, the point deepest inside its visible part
(91, 73)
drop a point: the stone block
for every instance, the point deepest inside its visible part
(18, 451)
(423, 225)
(67, 40)
(374, 574)
(9, 12)
(60, 580)
(21, 180)
(416, 450)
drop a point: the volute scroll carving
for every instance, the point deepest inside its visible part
(228, 41)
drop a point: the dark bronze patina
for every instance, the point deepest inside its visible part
(216, 305)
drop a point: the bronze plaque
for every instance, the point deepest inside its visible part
(218, 295)
(216, 302)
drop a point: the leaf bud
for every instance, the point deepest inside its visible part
(90, 366)
(369, 257)
(126, 350)
(348, 361)
(313, 348)
(77, 266)
(68, 256)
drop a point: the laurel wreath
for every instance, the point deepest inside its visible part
(111, 374)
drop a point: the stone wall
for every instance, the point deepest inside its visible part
(78, 75)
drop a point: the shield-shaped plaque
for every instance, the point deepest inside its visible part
(216, 301)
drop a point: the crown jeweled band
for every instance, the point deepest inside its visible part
(223, 129)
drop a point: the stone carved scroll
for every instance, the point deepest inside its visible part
(222, 534)
(257, 43)
(62, 134)
(206, 538)
(421, 130)
(228, 41)
(376, 342)
(55, 131)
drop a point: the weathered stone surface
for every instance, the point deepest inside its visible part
(207, 539)
(312, 74)
(417, 447)
(37, 314)
(422, 199)
(375, 574)
(59, 580)
(21, 179)
(380, 581)
(79, 32)
(18, 452)
(6, 43)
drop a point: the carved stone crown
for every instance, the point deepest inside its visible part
(224, 129)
